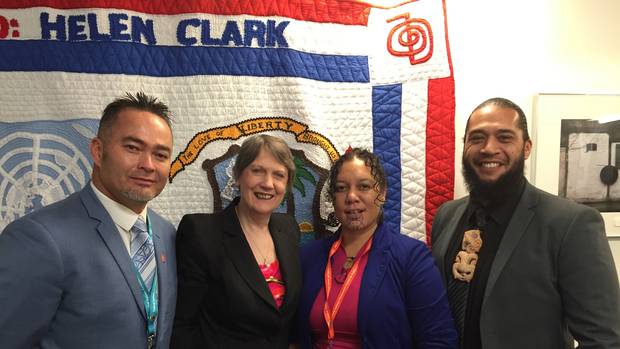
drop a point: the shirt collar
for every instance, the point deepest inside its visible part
(501, 212)
(121, 215)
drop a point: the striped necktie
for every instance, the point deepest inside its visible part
(142, 252)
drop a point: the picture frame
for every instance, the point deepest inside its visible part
(549, 109)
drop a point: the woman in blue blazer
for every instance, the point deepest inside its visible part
(383, 288)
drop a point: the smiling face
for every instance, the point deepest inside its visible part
(262, 184)
(132, 158)
(356, 197)
(494, 145)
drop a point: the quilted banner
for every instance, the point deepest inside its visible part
(322, 75)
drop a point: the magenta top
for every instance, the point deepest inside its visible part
(346, 335)
(272, 275)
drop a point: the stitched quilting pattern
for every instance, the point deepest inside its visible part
(323, 75)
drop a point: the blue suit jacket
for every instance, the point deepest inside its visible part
(402, 301)
(67, 281)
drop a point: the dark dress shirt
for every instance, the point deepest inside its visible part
(466, 298)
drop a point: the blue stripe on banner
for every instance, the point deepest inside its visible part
(137, 59)
(386, 115)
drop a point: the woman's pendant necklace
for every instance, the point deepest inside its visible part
(260, 252)
(348, 263)
(252, 243)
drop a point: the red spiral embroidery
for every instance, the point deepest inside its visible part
(414, 39)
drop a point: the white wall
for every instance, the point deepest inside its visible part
(517, 49)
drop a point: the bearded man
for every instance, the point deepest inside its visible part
(542, 275)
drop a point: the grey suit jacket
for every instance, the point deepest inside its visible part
(553, 277)
(67, 281)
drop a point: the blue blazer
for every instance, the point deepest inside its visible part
(67, 281)
(402, 301)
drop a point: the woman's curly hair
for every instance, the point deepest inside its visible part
(376, 170)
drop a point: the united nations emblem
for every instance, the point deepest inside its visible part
(42, 162)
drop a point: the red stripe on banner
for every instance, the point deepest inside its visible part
(325, 11)
(439, 141)
(439, 148)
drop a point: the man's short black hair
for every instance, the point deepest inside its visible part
(503, 103)
(140, 101)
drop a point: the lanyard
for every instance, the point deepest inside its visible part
(149, 297)
(329, 314)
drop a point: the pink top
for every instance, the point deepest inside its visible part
(272, 275)
(345, 323)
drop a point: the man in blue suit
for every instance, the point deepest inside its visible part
(98, 270)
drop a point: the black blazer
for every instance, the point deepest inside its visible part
(223, 299)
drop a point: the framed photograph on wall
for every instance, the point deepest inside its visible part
(577, 151)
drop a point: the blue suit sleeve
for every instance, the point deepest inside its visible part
(431, 321)
(31, 274)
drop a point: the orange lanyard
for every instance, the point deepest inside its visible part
(329, 314)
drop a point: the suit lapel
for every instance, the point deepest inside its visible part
(287, 258)
(378, 260)
(440, 247)
(516, 228)
(314, 272)
(161, 258)
(110, 236)
(240, 254)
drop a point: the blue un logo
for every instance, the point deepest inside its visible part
(42, 162)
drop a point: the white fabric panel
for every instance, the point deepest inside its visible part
(413, 159)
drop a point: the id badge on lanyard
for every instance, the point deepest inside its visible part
(150, 299)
